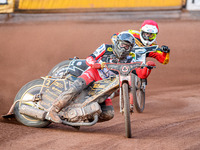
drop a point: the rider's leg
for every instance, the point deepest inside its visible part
(65, 98)
(107, 110)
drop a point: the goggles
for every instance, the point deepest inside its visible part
(127, 46)
(149, 36)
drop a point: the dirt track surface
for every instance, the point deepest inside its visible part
(171, 119)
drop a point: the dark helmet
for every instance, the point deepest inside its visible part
(123, 45)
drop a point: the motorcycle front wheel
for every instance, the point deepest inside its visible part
(138, 93)
(26, 93)
(126, 110)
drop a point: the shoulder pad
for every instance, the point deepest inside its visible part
(99, 50)
(134, 32)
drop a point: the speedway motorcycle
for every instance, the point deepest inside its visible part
(34, 100)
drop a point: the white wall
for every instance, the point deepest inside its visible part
(193, 5)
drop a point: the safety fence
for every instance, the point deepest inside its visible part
(39, 6)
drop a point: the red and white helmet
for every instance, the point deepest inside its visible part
(148, 32)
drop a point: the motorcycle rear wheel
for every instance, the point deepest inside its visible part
(27, 92)
(138, 94)
(59, 69)
(126, 110)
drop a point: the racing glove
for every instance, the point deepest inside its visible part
(165, 49)
(96, 66)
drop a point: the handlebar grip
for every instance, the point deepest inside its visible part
(151, 67)
(103, 65)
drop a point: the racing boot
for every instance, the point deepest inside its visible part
(107, 110)
(65, 98)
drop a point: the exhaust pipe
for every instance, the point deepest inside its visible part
(82, 123)
(32, 112)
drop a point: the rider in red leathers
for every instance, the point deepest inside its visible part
(147, 37)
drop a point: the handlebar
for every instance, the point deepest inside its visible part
(135, 64)
(126, 68)
(147, 49)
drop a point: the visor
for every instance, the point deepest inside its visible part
(149, 36)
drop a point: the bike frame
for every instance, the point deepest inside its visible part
(125, 75)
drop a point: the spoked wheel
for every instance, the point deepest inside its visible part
(26, 93)
(138, 93)
(126, 110)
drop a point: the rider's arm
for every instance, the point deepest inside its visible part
(162, 57)
(92, 59)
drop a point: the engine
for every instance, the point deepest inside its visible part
(78, 113)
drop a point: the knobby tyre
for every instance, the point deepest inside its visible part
(25, 93)
(126, 110)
